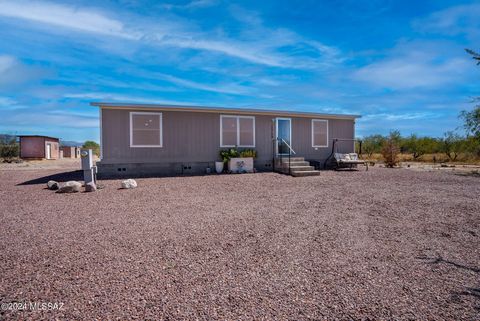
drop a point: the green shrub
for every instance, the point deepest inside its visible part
(227, 154)
(9, 151)
(248, 153)
(95, 147)
(372, 144)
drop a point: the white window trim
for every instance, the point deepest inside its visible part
(313, 141)
(238, 130)
(131, 129)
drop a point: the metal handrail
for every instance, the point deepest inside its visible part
(290, 151)
(289, 147)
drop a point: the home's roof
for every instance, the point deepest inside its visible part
(225, 110)
(55, 138)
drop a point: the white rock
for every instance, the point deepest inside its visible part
(129, 183)
(70, 187)
(52, 185)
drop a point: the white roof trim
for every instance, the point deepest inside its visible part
(245, 111)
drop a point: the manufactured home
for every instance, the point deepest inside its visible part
(145, 139)
(39, 147)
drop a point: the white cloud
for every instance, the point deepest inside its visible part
(221, 88)
(105, 97)
(256, 44)
(30, 118)
(7, 103)
(195, 4)
(65, 16)
(461, 19)
(6, 62)
(228, 48)
(402, 116)
(407, 73)
(14, 72)
(4, 101)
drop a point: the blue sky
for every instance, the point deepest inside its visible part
(400, 64)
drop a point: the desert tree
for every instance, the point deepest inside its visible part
(452, 145)
(93, 146)
(372, 144)
(471, 119)
(475, 55)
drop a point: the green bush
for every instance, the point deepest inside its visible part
(419, 146)
(227, 154)
(372, 144)
(93, 146)
(453, 145)
(248, 153)
(9, 151)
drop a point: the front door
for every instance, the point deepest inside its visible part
(284, 135)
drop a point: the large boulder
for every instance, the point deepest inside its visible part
(129, 183)
(70, 187)
(53, 185)
(90, 187)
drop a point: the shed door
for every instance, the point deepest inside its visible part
(49, 151)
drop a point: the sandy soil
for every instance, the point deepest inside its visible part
(60, 164)
(383, 244)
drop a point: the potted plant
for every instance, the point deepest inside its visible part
(225, 155)
(219, 167)
(242, 162)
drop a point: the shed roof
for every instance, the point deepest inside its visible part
(49, 137)
(226, 110)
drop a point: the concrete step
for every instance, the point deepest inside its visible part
(301, 168)
(305, 173)
(293, 159)
(296, 163)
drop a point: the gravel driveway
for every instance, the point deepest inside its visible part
(382, 244)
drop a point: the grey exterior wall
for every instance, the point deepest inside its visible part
(193, 138)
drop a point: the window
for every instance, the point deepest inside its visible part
(319, 133)
(237, 131)
(146, 129)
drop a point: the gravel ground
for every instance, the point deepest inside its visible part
(383, 244)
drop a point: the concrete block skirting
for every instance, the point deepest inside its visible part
(165, 169)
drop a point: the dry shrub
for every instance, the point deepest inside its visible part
(390, 151)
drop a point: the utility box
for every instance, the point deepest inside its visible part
(87, 158)
(89, 170)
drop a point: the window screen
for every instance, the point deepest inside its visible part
(237, 131)
(146, 129)
(319, 133)
(247, 132)
(229, 131)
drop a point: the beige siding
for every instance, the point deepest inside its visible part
(55, 149)
(195, 137)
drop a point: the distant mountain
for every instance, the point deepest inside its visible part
(70, 143)
(7, 138)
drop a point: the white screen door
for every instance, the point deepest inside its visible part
(284, 135)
